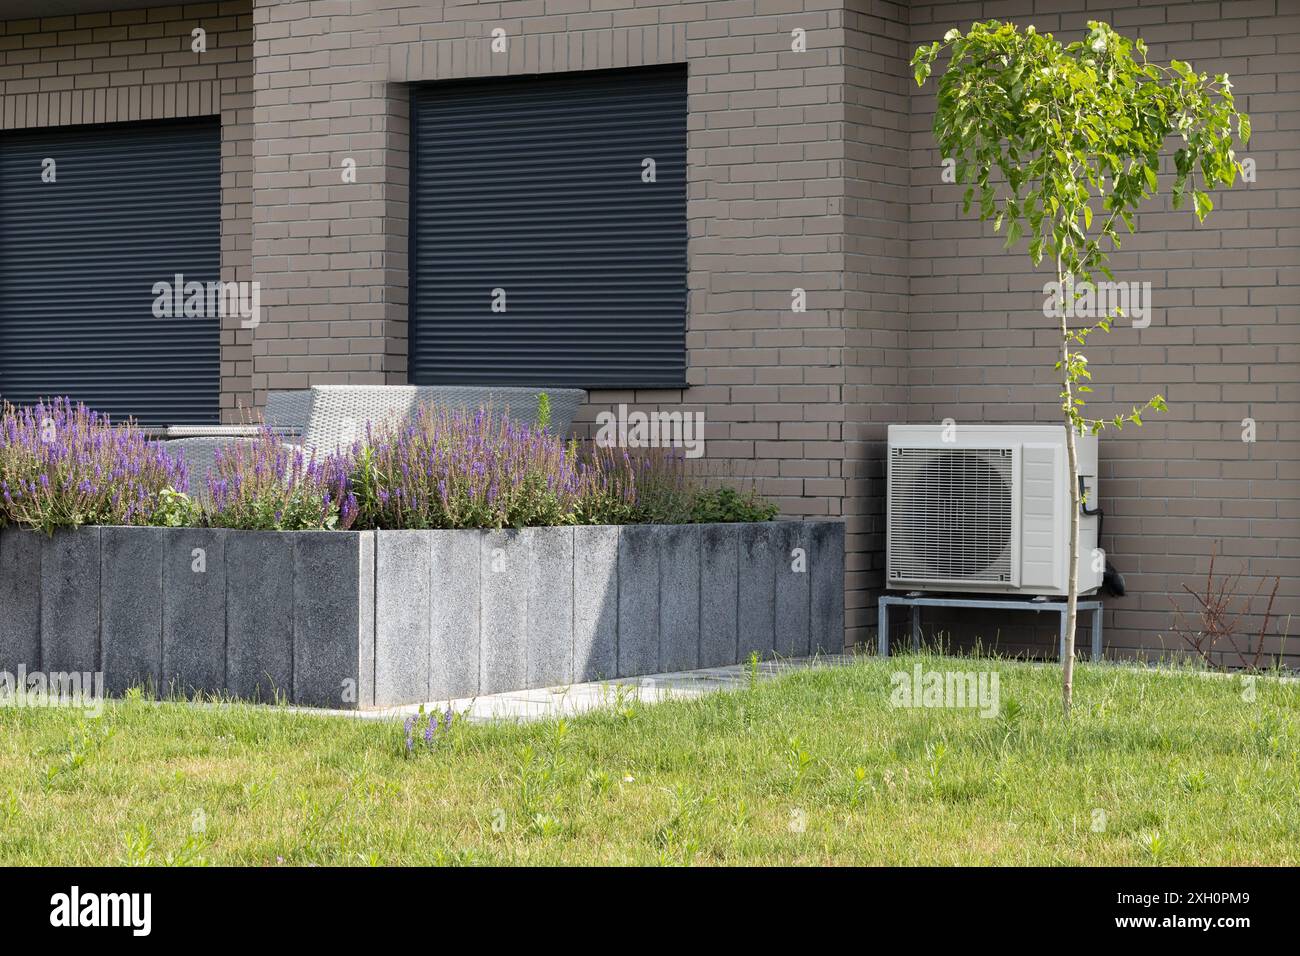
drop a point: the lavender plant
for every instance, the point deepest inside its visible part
(650, 487)
(457, 469)
(63, 465)
(425, 733)
(266, 485)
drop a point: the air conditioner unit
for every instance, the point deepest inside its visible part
(986, 508)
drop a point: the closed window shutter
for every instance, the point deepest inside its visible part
(534, 186)
(132, 205)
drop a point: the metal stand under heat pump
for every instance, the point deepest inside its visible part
(916, 603)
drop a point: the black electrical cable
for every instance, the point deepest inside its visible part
(1112, 580)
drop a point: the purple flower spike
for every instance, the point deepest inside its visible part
(63, 465)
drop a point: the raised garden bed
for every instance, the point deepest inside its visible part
(379, 618)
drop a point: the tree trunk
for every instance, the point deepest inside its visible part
(1072, 601)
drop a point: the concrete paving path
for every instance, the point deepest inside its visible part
(573, 699)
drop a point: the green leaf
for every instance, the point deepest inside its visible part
(1064, 123)
(1203, 205)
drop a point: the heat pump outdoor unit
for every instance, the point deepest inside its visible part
(986, 508)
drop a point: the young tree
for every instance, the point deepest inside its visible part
(1076, 132)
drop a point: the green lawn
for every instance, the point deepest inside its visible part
(815, 767)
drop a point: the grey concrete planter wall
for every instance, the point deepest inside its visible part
(376, 619)
(257, 615)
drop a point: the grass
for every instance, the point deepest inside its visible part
(814, 767)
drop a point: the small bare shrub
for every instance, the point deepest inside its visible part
(1217, 617)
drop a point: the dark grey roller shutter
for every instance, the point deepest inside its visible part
(534, 186)
(133, 204)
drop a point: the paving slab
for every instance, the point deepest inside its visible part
(69, 600)
(550, 607)
(826, 598)
(573, 699)
(194, 611)
(638, 599)
(333, 624)
(20, 604)
(756, 617)
(679, 597)
(503, 597)
(719, 594)
(595, 602)
(454, 587)
(793, 542)
(403, 615)
(131, 608)
(259, 614)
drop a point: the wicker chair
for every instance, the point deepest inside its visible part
(287, 413)
(329, 417)
(340, 413)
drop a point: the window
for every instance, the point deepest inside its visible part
(549, 231)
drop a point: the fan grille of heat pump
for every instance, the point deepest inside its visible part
(950, 514)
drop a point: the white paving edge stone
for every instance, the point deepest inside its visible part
(541, 703)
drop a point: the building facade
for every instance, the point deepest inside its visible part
(828, 283)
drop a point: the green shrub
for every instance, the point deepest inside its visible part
(727, 504)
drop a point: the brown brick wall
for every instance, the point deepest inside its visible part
(812, 170)
(876, 281)
(137, 65)
(1223, 345)
(765, 199)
